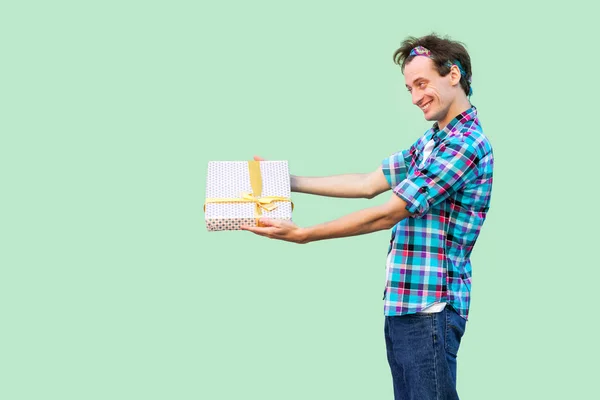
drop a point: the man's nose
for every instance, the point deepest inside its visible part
(416, 97)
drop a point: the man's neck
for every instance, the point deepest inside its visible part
(461, 105)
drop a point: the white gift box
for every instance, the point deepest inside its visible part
(240, 192)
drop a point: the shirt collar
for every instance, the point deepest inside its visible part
(461, 119)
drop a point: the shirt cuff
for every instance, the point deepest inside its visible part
(415, 197)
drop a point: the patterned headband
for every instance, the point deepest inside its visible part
(422, 51)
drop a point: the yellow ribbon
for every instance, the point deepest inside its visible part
(262, 203)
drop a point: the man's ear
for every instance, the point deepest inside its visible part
(454, 75)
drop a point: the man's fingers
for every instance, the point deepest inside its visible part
(257, 158)
(250, 228)
(263, 231)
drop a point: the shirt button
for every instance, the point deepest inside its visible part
(423, 189)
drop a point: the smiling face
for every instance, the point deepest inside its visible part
(435, 95)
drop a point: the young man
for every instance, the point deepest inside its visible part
(441, 194)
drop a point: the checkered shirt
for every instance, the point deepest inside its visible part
(449, 194)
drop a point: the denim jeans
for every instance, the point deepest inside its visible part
(421, 351)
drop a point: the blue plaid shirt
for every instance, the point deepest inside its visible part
(449, 192)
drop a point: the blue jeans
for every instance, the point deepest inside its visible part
(421, 351)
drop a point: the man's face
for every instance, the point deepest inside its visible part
(432, 93)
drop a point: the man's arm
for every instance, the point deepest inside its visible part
(361, 222)
(366, 185)
(369, 220)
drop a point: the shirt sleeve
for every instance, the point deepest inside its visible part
(395, 166)
(449, 168)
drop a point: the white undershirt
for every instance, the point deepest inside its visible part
(427, 151)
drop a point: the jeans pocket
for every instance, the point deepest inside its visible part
(455, 329)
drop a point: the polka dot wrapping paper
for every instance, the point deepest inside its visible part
(230, 180)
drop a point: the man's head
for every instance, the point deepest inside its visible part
(437, 72)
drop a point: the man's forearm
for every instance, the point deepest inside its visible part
(358, 223)
(348, 185)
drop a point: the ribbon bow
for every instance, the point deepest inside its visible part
(266, 202)
(262, 203)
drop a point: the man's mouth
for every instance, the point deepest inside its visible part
(425, 106)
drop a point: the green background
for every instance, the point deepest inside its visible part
(111, 287)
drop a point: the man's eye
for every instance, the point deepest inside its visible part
(422, 85)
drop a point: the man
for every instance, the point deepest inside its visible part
(441, 194)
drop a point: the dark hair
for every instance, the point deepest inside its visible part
(442, 50)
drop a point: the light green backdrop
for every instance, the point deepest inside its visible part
(111, 287)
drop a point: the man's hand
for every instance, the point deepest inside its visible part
(278, 229)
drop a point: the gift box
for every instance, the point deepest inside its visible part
(241, 192)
